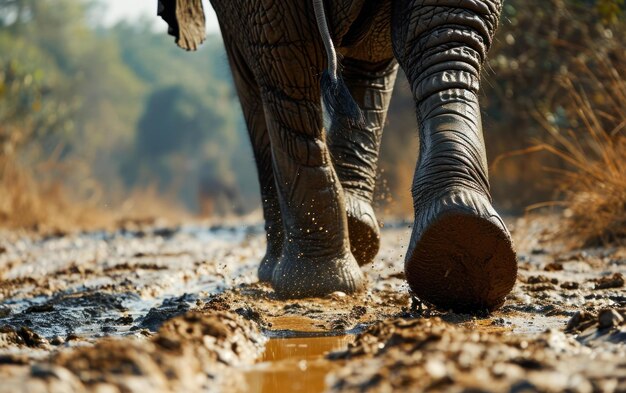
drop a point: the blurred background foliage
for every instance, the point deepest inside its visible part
(540, 44)
(117, 109)
(124, 104)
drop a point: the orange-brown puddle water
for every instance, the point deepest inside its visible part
(294, 357)
(295, 364)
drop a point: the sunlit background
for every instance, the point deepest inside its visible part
(101, 112)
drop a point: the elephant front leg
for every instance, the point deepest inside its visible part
(316, 258)
(355, 151)
(460, 254)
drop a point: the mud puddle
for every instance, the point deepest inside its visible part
(294, 358)
(300, 356)
(73, 307)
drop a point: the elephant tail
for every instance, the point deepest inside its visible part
(336, 98)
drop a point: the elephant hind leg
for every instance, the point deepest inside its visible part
(252, 107)
(460, 255)
(355, 150)
(316, 258)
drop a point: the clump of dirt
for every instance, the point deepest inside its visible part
(334, 314)
(168, 309)
(191, 353)
(614, 281)
(431, 355)
(608, 325)
(21, 337)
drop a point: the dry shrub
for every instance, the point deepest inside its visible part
(36, 198)
(149, 206)
(28, 203)
(593, 146)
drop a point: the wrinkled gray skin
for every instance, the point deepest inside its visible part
(317, 186)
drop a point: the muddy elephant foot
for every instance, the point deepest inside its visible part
(272, 255)
(297, 275)
(363, 229)
(267, 265)
(460, 256)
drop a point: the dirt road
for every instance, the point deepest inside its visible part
(155, 309)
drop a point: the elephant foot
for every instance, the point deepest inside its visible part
(266, 267)
(363, 229)
(460, 256)
(273, 252)
(303, 276)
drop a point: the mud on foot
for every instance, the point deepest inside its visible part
(299, 276)
(363, 229)
(461, 256)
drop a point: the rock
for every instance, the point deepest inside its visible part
(31, 339)
(580, 321)
(540, 287)
(436, 369)
(4, 311)
(170, 308)
(614, 281)
(336, 295)
(570, 285)
(553, 267)
(609, 318)
(20, 337)
(125, 320)
(47, 307)
(540, 279)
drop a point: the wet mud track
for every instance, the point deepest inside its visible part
(179, 309)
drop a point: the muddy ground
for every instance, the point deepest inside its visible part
(151, 308)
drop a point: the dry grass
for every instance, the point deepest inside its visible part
(149, 206)
(34, 198)
(594, 184)
(26, 202)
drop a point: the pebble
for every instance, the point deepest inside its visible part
(609, 318)
(5, 312)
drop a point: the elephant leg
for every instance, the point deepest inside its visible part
(252, 107)
(316, 258)
(355, 151)
(460, 254)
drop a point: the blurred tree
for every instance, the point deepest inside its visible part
(92, 96)
(133, 107)
(185, 144)
(124, 101)
(27, 109)
(191, 132)
(610, 10)
(30, 82)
